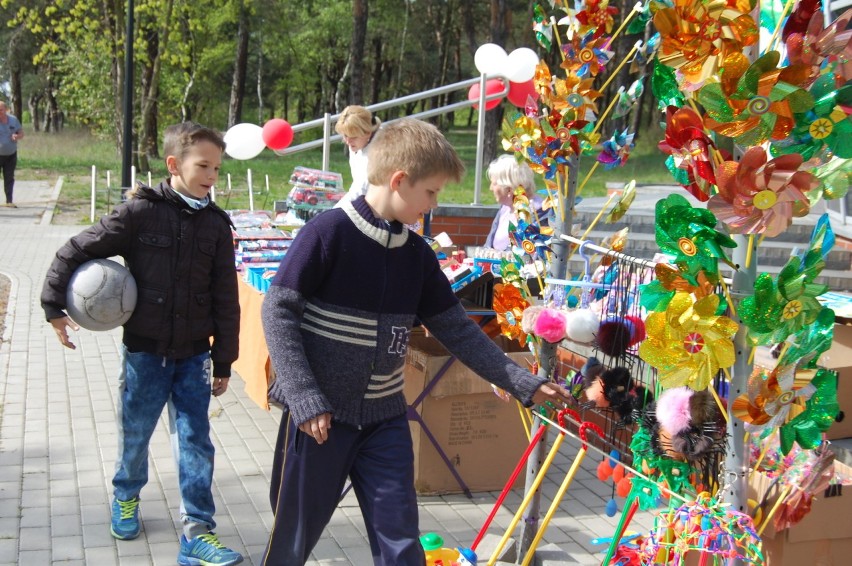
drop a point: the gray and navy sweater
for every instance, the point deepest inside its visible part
(339, 312)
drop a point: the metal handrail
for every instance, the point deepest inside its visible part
(328, 120)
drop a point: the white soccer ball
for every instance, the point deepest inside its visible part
(101, 295)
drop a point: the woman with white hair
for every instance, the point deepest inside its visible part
(506, 174)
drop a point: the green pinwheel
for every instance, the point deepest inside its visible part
(809, 344)
(827, 125)
(820, 411)
(689, 235)
(758, 104)
(834, 178)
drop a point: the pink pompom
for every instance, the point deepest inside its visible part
(528, 319)
(550, 325)
(673, 412)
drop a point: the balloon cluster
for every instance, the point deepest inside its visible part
(246, 141)
(518, 67)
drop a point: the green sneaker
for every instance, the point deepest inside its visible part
(206, 550)
(125, 519)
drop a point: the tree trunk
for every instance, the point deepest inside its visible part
(260, 117)
(13, 62)
(360, 13)
(500, 21)
(34, 104)
(148, 138)
(400, 64)
(238, 83)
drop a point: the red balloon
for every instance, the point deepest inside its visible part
(492, 86)
(277, 134)
(518, 93)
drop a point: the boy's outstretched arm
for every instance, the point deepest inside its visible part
(466, 341)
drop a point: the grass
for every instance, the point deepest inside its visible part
(72, 153)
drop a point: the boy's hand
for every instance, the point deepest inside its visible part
(556, 394)
(60, 326)
(220, 385)
(317, 427)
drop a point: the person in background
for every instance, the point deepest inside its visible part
(10, 133)
(357, 125)
(178, 246)
(337, 319)
(506, 174)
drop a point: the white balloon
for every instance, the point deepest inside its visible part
(521, 64)
(490, 59)
(244, 141)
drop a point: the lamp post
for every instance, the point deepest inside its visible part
(127, 140)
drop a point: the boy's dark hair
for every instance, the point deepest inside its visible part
(178, 138)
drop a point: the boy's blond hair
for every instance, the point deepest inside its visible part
(413, 146)
(356, 121)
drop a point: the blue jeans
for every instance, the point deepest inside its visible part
(146, 384)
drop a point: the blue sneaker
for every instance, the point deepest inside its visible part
(206, 550)
(125, 519)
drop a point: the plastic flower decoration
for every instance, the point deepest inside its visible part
(774, 398)
(586, 55)
(656, 295)
(820, 411)
(597, 17)
(756, 104)
(509, 306)
(616, 150)
(688, 343)
(531, 239)
(622, 205)
(761, 196)
(579, 97)
(700, 37)
(688, 148)
(542, 28)
(805, 348)
(627, 99)
(812, 45)
(690, 236)
(826, 125)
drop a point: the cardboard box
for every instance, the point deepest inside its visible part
(839, 358)
(823, 537)
(481, 435)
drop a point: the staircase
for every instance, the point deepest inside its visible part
(771, 255)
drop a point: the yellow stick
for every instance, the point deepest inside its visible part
(636, 9)
(554, 506)
(620, 65)
(751, 355)
(762, 454)
(524, 420)
(603, 116)
(728, 296)
(592, 225)
(556, 35)
(784, 12)
(749, 250)
(719, 401)
(530, 494)
(784, 493)
(588, 176)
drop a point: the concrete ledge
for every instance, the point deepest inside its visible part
(47, 217)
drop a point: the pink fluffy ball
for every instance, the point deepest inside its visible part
(673, 412)
(550, 325)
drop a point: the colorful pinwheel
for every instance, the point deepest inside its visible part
(688, 148)
(809, 344)
(812, 45)
(627, 99)
(688, 343)
(579, 97)
(542, 27)
(586, 55)
(597, 17)
(656, 295)
(761, 196)
(622, 205)
(774, 398)
(699, 38)
(689, 235)
(509, 306)
(827, 124)
(834, 178)
(820, 411)
(758, 103)
(616, 150)
(531, 239)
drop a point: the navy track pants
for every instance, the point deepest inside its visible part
(308, 478)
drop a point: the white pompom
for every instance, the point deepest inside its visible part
(582, 326)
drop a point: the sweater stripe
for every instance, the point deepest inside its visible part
(339, 316)
(341, 327)
(338, 337)
(400, 385)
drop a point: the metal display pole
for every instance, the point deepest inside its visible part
(480, 136)
(548, 360)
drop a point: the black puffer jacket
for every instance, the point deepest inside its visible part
(183, 263)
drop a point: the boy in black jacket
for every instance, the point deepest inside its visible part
(337, 319)
(179, 248)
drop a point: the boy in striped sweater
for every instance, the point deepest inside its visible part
(337, 319)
